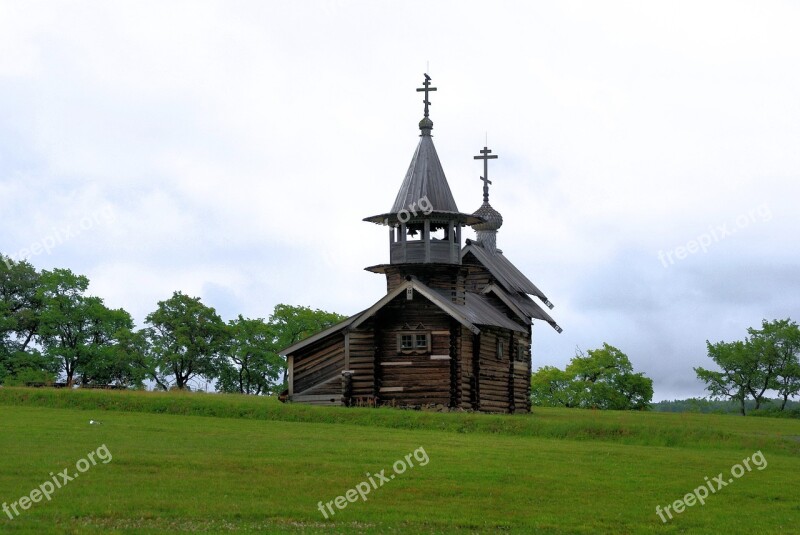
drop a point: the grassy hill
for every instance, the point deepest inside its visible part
(231, 464)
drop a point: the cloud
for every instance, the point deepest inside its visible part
(240, 145)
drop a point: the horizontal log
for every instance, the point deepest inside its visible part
(412, 373)
(488, 404)
(312, 397)
(434, 385)
(333, 383)
(415, 399)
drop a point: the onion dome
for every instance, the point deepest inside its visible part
(492, 218)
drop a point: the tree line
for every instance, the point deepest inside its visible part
(767, 360)
(51, 329)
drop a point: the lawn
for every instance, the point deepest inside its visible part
(227, 464)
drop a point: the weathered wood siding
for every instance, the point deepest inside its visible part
(408, 377)
(522, 374)
(413, 251)
(494, 371)
(362, 362)
(466, 398)
(317, 370)
(477, 277)
(451, 278)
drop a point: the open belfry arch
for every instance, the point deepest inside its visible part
(454, 328)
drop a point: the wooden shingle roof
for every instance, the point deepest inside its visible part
(425, 178)
(506, 273)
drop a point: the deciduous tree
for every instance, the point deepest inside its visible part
(253, 365)
(186, 339)
(766, 360)
(20, 307)
(601, 379)
(780, 341)
(76, 329)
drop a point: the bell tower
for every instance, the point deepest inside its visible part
(424, 222)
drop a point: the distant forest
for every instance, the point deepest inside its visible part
(769, 407)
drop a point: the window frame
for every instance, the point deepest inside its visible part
(401, 342)
(414, 348)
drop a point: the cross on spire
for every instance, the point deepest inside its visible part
(426, 89)
(486, 155)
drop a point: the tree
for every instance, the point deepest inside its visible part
(552, 387)
(20, 307)
(766, 360)
(186, 339)
(294, 323)
(19, 303)
(739, 371)
(601, 379)
(606, 380)
(780, 341)
(76, 329)
(253, 365)
(18, 368)
(131, 362)
(62, 327)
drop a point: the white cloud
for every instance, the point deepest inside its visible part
(240, 145)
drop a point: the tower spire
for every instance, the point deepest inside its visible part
(485, 155)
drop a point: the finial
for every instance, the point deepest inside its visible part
(426, 123)
(486, 155)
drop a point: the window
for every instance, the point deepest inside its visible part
(499, 349)
(422, 342)
(414, 342)
(520, 352)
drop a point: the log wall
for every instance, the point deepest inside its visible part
(451, 278)
(362, 362)
(477, 277)
(493, 372)
(318, 364)
(411, 377)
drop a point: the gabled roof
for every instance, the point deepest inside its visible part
(477, 310)
(506, 273)
(319, 336)
(434, 297)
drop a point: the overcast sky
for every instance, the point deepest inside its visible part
(648, 170)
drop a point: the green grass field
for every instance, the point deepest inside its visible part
(228, 464)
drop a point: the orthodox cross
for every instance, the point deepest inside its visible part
(486, 155)
(426, 89)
